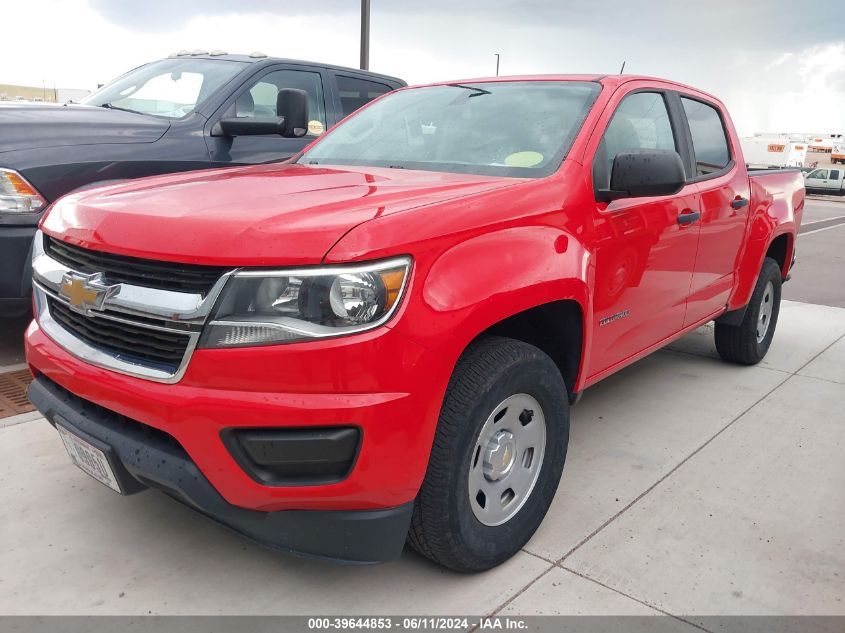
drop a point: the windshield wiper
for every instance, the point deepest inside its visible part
(110, 106)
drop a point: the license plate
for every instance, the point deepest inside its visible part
(89, 458)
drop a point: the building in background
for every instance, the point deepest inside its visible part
(67, 95)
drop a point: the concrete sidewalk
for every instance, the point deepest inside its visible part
(692, 487)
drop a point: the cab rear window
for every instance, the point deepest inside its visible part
(709, 139)
(355, 92)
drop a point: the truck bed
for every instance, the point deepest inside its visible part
(762, 171)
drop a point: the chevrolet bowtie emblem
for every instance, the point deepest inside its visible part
(86, 292)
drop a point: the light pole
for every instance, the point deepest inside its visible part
(365, 34)
(497, 64)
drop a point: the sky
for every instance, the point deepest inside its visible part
(779, 65)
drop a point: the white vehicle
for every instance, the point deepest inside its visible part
(763, 151)
(825, 180)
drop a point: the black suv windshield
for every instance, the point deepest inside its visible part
(508, 128)
(169, 88)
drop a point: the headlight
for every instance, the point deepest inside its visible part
(17, 195)
(267, 307)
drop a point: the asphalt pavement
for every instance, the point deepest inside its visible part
(819, 273)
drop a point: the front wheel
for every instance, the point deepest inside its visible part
(748, 342)
(497, 456)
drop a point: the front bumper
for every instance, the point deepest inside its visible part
(378, 382)
(143, 457)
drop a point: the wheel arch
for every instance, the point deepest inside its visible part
(771, 231)
(556, 328)
(525, 283)
(781, 249)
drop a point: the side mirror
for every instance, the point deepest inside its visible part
(292, 107)
(644, 173)
(291, 122)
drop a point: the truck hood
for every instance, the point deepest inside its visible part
(33, 126)
(251, 216)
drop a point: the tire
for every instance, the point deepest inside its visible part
(495, 383)
(743, 343)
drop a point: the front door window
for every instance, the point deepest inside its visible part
(260, 99)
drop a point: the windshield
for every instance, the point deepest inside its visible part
(510, 128)
(169, 88)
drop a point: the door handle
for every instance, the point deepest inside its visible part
(738, 203)
(688, 217)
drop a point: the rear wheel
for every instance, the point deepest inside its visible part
(497, 456)
(748, 342)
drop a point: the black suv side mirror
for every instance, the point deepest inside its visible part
(291, 122)
(643, 173)
(292, 106)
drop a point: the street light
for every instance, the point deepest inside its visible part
(497, 64)
(365, 34)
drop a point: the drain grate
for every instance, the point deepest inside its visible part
(13, 398)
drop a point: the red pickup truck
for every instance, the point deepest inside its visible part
(380, 339)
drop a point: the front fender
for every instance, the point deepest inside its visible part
(481, 281)
(477, 261)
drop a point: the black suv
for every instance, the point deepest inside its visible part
(162, 117)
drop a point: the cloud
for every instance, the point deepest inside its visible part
(168, 16)
(645, 21)
(802, 92)
(775, 69)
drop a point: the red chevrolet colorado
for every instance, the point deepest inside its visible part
(380, 339)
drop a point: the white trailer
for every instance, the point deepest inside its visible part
(773, 151)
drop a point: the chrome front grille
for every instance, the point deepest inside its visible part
(142, 327)
(188, 278)
(134, 342)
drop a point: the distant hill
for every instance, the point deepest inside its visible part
(9, 92)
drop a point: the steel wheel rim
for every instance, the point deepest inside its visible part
(506, 459)
(764, 317)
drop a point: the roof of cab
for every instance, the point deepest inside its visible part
(611, 81)
(265, 60)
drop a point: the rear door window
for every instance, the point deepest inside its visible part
(709, 139)
(834, 174)
(355, 92)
